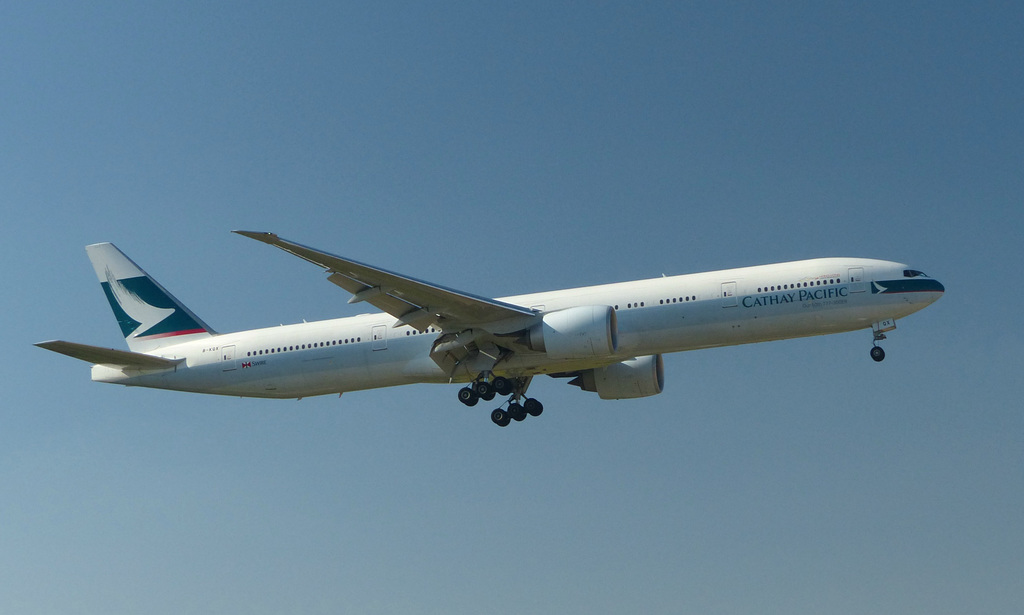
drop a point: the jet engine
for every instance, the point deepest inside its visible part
(639, 377)
(581, 332)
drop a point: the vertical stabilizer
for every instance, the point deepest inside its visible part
(149, 316)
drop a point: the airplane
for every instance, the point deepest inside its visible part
(606, 339)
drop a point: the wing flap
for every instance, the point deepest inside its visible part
(109, 356)
(399, 295)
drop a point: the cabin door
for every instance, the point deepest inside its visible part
(380, 337)
(227, 358)
(857, 284)
(728, 294)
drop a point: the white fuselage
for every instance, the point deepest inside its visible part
(662, 315)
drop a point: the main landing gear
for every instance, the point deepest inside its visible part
(513, 388)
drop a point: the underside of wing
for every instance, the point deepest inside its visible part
(413, 302)
(110, 356)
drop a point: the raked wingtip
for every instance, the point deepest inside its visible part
(258, 236)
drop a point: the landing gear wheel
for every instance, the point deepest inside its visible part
(484, 389)
(502, 386)
(877, 353)
(517, 412)
(468, 396)
(500, 418)
(533, 407)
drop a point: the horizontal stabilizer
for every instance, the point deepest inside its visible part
(110, 356)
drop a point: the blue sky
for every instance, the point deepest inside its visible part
(505, 149)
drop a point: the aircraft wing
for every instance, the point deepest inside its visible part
(110, 356)
(413, 302)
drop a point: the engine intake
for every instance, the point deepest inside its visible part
(639, 377)
(581, 332)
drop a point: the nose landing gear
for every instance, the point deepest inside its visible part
(879, 329)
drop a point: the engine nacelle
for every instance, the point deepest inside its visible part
(581, 332)
(639, 377)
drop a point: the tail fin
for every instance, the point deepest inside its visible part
(150, 317)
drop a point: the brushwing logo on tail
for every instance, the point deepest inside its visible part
(144, 310)
(138, 316)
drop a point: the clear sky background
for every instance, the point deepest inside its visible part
(505, 148)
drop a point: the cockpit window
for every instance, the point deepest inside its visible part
(913, 273)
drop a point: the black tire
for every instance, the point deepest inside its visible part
(483, 389)
(877, 353)
(502, 386)
(533, 407)
(517, 412)
(500, 418)
(468, 396)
